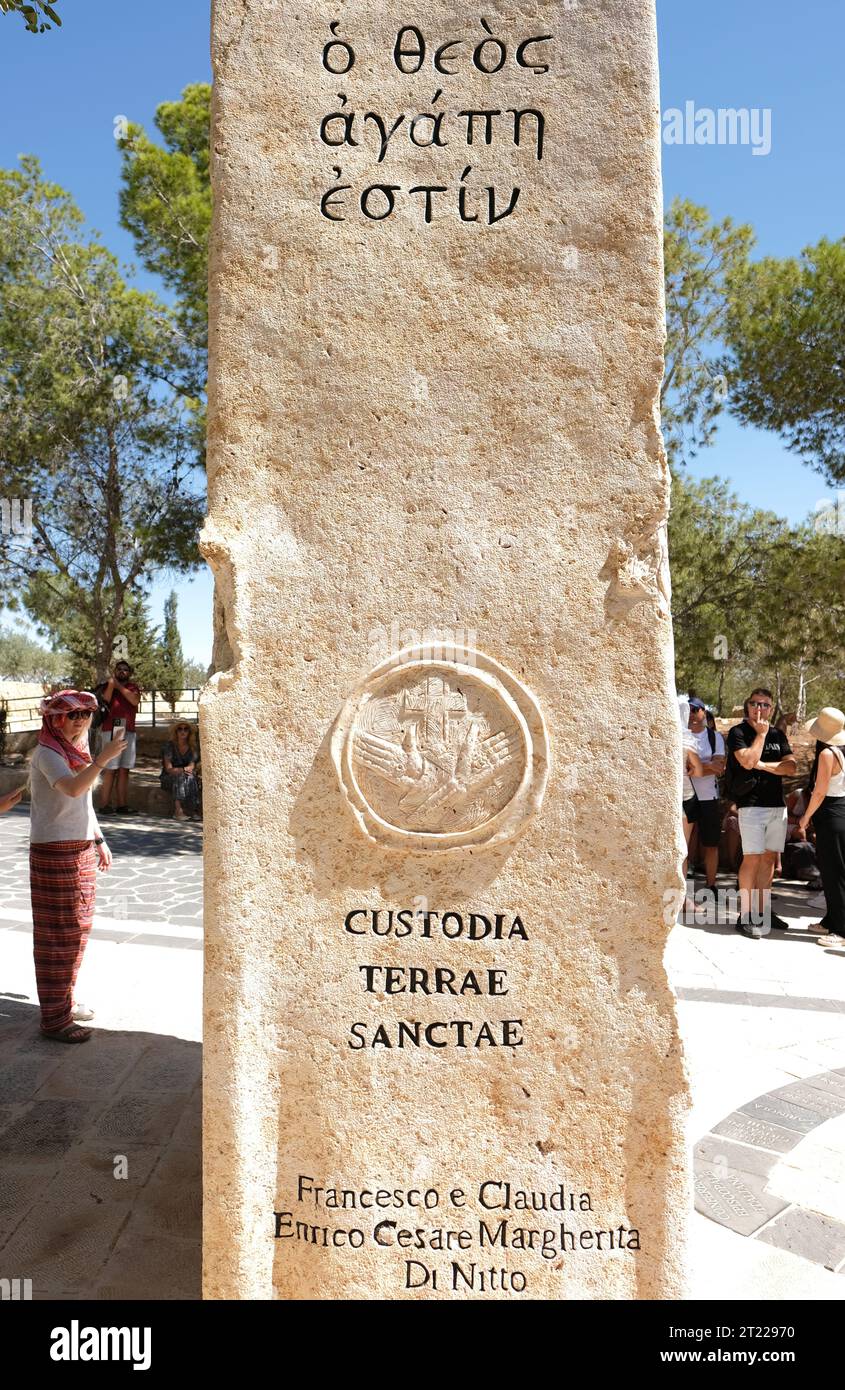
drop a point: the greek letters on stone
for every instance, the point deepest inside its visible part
(488, 53)
(429, 128)
(443, 124)
(377, 201)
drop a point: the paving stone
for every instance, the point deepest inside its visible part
(87, 1176)
(173, 942)
(172, 1199)
(20, 1079)
(806, 1233)
(155, 893)
(46, 1129)
(20, 1187)
(10, 1031)
(188, 1132)
(64, 1247)
(739, 1201)
(774, 1110)
(758, 1133)
(139, 1118)
(95, 1069)
(150, 1266)
(174, 1066)
(827, 1081)
(799, 1093)
(735, 1158)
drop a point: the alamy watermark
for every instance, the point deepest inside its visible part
(16, 518)
(723, 125)
(442, 643)
(829, 515)
(15, 1290)
(712, 907)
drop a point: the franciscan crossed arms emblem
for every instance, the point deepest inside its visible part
(440, 754)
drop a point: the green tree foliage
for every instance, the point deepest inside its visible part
(196, 675)
(23, 659)
(753, 599)
(35, 14)
(171, 662)
(785, 327)
(50, 600)
(717, 551)
(802, 626)
(702, 260)
(165, 202)
(93, 427)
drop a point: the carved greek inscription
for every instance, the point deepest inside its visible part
(442, 123)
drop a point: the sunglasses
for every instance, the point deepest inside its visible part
(79, 714)
(759, 704)
(183, 729)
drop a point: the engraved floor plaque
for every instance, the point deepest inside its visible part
(441, 764)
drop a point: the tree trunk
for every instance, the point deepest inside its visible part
(719, 695)
(801, 705)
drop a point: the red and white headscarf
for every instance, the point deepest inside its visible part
(76, 756)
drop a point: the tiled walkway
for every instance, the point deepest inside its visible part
(100, 1168)
(763, 1023)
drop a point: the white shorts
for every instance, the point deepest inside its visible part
(127, 757)
(762, 828)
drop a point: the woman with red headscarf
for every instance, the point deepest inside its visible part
(66, 849)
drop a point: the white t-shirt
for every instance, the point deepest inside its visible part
(836, 785)
(705, 787)
(54, 816)
(687, 741)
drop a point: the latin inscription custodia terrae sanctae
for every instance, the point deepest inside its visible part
(442, 123)
(411, 985)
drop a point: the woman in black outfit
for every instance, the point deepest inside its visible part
(827, 812)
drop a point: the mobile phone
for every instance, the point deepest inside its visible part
(119, 724)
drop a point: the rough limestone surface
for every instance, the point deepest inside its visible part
(437, 527)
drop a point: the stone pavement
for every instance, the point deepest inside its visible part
(763, 1024)
(100, 1175)
(100, 1155)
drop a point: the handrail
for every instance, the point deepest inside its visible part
(22, 710)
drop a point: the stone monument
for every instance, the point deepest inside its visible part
(442, 765)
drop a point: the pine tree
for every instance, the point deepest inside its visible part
(171, 660)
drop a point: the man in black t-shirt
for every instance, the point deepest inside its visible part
(759, 757)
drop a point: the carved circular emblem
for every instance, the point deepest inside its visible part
(439, 754)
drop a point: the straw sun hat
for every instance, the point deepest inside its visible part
(828, 727)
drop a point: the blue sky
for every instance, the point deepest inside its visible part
(62, 91)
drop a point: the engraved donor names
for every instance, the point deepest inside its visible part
(452, 1237)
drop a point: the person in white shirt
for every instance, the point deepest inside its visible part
(702, 808)
(66, 849)
(690, 766)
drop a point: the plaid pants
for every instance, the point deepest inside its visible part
(63, 885)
